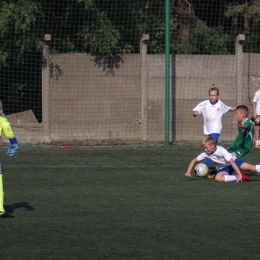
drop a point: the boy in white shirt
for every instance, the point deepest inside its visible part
(212, 110)
(226, 163)
(256, 109)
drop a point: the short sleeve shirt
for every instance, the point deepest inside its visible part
(212, 114)
(220, 156)
(256, 100)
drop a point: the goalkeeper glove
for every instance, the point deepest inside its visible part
(13, 148)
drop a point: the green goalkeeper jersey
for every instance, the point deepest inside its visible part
(244, 141)
(6, 127)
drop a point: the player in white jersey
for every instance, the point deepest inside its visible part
(225, 161)
(256, 108)
(212, 111)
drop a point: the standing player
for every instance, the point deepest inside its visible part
(244, 140)
(212, 111)
(226, 163)
(12, 149)
(256, 109)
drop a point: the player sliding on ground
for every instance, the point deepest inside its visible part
(226, 163)
(244, 140)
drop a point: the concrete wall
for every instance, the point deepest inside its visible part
(86, 101)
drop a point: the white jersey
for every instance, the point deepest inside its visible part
(220, 156)
(256, 100)
(212, 114)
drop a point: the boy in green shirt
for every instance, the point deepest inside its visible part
(12, 150)
(244, 140)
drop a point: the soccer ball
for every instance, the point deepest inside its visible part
(201, 170)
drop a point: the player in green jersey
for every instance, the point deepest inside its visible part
(245, 127)
(12, 149)
(244, 140)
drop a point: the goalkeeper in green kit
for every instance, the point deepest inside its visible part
(12, 149)
(244, 140)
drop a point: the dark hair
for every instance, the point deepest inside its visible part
(243, 109)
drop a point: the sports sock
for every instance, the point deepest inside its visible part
(1, 194)
(229, 178)
(257, 168)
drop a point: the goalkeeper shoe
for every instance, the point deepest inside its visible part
(244, 177)
(6, 215)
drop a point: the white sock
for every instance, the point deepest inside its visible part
(229, 178)
(257, 142)
(257, 168)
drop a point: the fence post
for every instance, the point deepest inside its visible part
(144, 112)
(239, 56)
(46, 89)
(167, 71)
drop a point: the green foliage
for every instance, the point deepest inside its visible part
(17, 27)
(254, 11)
(108, 28)
(100, 36)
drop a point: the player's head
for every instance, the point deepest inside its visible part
(209, 144)
(241, 113)
(213, 93)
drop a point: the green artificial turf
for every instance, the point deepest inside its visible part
(124, 202)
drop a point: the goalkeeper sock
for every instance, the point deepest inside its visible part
(1, 194)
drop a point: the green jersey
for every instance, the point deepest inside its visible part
(6, 127)
(244, 141)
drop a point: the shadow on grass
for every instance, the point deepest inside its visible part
(25, 205)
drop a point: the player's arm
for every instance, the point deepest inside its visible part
(236, 169)
(188, 172)
(243, 126)
(254, 110)
(198, 109)
(196, 113)
(232, 109)
(13, 147)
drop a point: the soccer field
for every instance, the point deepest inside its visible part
(124, 202)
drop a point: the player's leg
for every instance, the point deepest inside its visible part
(257, 133)
(2, 210)
(250, 167)
(3, 213)
(221, 176)
(225, 175)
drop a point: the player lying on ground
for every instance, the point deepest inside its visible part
(225, 161)
(244, 140)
